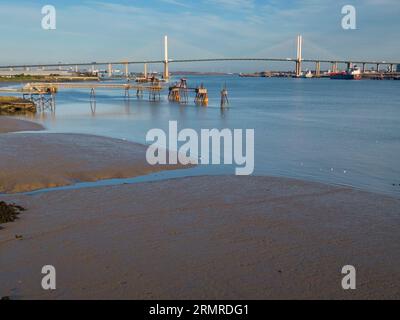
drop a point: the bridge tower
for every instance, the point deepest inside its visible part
(166, 70)
(110, 70)
(299, 55)
(318, 69)
(126, 64)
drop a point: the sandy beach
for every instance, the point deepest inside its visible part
(210, 237)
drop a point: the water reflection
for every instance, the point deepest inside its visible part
(303, 129)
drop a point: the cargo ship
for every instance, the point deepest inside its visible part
(351, 74)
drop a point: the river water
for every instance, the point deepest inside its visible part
(332, 131)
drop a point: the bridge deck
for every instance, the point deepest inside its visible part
(333, 60)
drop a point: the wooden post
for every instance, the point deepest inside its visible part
(224, 97)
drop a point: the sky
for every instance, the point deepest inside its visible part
(90, 30)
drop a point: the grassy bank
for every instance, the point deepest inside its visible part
(15, 105)
(49, 78)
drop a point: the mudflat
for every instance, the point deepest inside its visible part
(8, 124)
(223, 237)
(36, 161)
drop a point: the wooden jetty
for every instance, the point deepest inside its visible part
(179, 93)
(43, 94)
(153, 90)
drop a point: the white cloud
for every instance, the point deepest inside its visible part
(176, 3)
(97, 30)
(233, 4)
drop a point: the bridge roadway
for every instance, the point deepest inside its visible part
(356, 61)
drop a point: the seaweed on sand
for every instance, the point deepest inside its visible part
(9, 212)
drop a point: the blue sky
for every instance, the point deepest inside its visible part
(117, 30)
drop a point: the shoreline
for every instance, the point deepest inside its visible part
(10, 124)
(26, 79)
(48, 160)
(176, 174)
(56, 160)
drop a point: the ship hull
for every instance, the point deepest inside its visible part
(345, 76)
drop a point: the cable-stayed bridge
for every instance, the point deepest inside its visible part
(298, 61)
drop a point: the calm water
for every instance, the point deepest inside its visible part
(339, 132)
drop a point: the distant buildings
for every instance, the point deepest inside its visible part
(398, 68)
(13, 73)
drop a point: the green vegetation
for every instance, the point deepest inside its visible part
(46, 78)
(20, 78)
(9, 212)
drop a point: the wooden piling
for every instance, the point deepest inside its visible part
(224, 97)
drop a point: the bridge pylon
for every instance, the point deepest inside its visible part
(166, 67)
(110, 70)
(299, 55)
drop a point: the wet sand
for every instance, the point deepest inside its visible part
(192, 238)
(204, 238)
(8, 124)
(36, 161)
